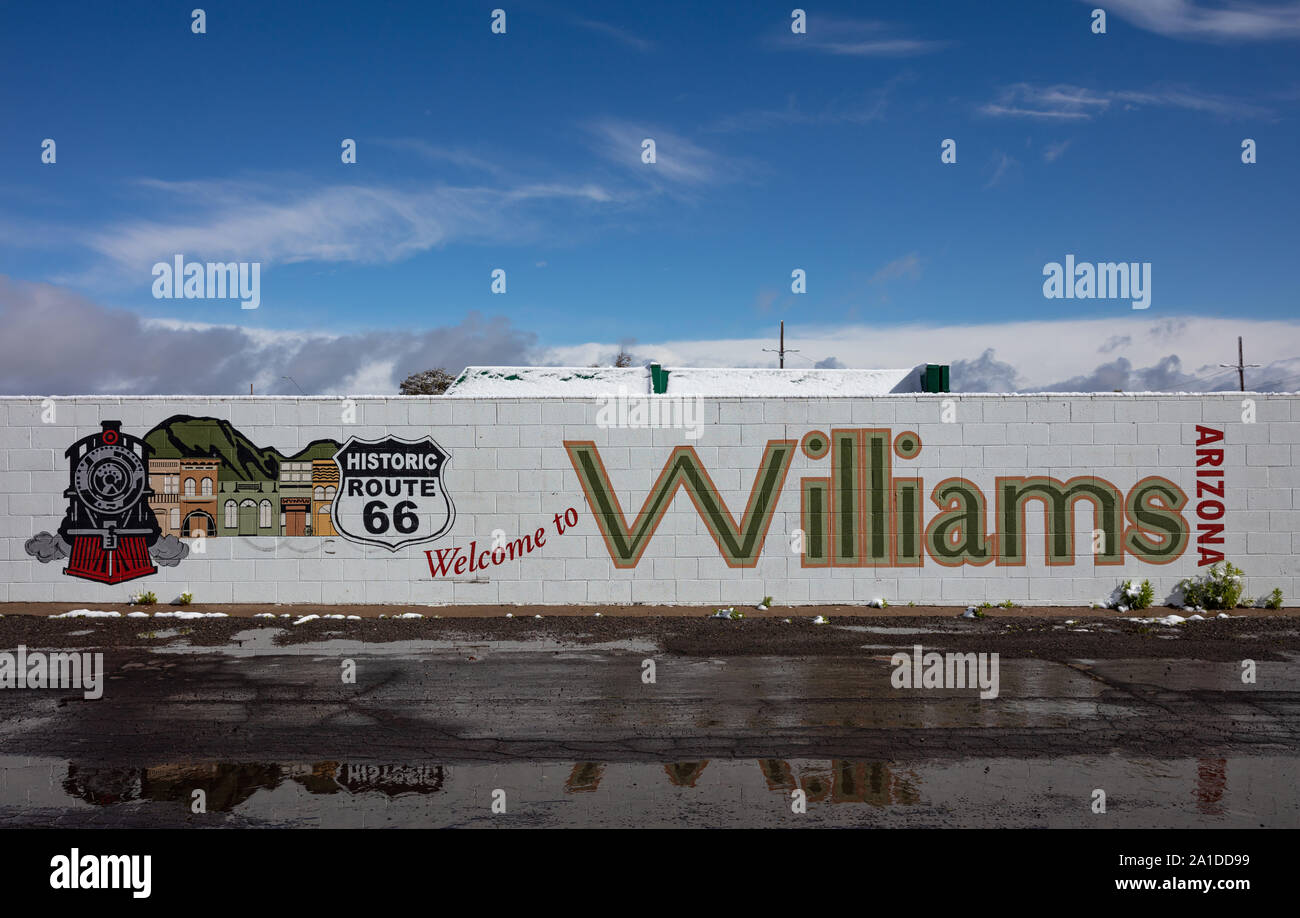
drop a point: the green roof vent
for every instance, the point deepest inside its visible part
(658, 379)
(935, 378)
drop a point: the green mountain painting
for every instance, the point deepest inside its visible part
(185, 437)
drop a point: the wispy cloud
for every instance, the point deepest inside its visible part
(1003, 165)
(273, 224)
(622, 35)
(908, 266)
(1063, 102)
(854, 38)
(855, 108)
(678, 161)
(437, 153)
(1060, 102)
(861, 110)
(1225, 21)
(1055, 150)
(1192, 101)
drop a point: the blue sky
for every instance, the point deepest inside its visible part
(775, 151)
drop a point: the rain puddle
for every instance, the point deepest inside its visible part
(261, 642)
(884, 629)
(1180, 792)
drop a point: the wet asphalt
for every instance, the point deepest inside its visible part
(558, 723)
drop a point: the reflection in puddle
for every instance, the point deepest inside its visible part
(719, 792)
(889, 629)
(225, 786)
(262, 642)
(685, 774)
(875, 783)
(1211, 781)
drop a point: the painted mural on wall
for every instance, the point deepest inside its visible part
(862, 515)
(108, 526)
(133, 501)
(137, 503)
(391, 493)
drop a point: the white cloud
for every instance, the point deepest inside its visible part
(1039, 354)
(621, 35)
(854, 38)
(908, 266)
(1054, 150)
(678, 160)
(1230, 21)
(1002, 166)
(1060, 102)
(437, 153)
(57, 342)
(1063, 102)
(1128, 352)
(851, 107)
(235, 220)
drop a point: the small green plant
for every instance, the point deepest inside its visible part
(1220, 588)
(1274, 600)
(185, 598)
(767, 601)
(1006, 604)
(1134, 595)
(144, 598)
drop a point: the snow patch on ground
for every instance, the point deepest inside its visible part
(1173, 619)
(1159, 620)
(190, 615)
(100, 613)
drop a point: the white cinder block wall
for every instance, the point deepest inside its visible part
(509, 471)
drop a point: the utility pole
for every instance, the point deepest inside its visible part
(782, 350)
(1240, 366)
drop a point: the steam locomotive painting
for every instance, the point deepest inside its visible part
(109, 524)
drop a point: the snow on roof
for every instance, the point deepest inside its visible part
(592, 382)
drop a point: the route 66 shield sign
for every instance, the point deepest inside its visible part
(391, 492)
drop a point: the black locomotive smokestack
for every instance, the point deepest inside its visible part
(115, 426)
